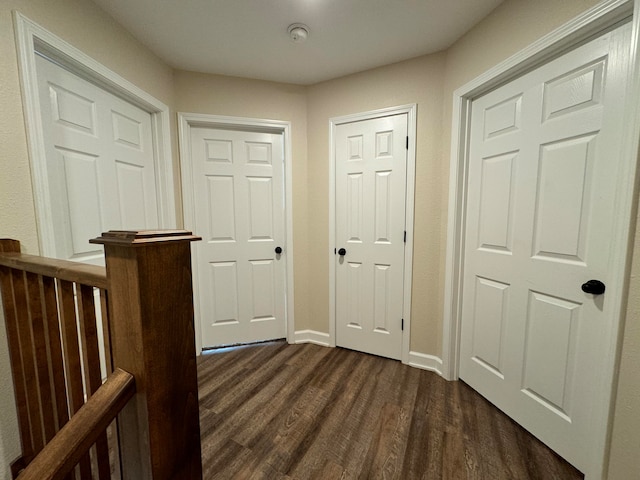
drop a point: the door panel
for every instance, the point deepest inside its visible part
(562, 215)
(100, 162)
(497, 203)
(543, 175)
(371, 169)
(549, 345)
(490, 324)
(238, 179)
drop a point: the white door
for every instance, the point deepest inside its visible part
(371, 173)
(100, 162)
(238, 185)
(543, 171)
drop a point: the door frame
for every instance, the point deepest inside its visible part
(411, 111)
(604, 16)
(188, 120)
(31, 40)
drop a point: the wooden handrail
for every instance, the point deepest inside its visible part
(82, 273)
(51, 324)
(61, 455)
(146, 307)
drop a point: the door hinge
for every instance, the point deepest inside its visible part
(407, 142)
(335, 251)
(402, 324)
(405, 236)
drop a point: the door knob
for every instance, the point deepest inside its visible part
(595, 287)
(342, 252)
(278, 250)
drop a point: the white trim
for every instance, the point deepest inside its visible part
(188, 120)
(603, 16)
(312, 336)
(32, 38)
(426, 362)
(411, 111)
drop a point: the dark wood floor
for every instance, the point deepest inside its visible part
(278, 411)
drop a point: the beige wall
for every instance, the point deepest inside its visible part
(624, 462)
(88, 28)
(231, 96)
(413, 81)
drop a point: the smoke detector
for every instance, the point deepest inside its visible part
(298, 32)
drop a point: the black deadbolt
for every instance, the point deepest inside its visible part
(278, 250)
(595, 287)
(342, 252)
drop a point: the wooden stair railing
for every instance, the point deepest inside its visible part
(148, 332)
(58, 457)
(50, 319)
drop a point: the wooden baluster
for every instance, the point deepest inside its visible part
(152, 337)
(71, 349)
(92, 374)
(112, 435)
(41, 356)
(56, 363)
(13, 340)
(104, 312)
(28, 359)
(54, 349)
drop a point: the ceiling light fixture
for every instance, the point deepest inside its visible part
(298, 32)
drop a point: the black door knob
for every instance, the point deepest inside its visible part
(342, 252)
(595, 287)
(278, 250)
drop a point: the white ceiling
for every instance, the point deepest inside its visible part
(248, 38)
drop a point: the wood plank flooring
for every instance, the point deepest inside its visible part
(279, 411)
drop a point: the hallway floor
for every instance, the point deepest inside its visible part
(279, 411)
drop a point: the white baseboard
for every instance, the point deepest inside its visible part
(426, 362)
(311, 336)
(416, 359)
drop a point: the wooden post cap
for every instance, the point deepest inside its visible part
(144, 237)
(9, 245)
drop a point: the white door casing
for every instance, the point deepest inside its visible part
(237, 171)
(32, 41)
(100, 168)
(238, 183)
(599, 18)
(372, 167)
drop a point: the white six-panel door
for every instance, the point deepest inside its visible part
(371, 172)
(541, 205)
(100, 166)
(238, 188)
(100, 162)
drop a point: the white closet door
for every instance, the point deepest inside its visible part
(238, 185)
(371, 175)
(541, 206)
(100, 168)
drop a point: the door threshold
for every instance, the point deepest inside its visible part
(237, 346)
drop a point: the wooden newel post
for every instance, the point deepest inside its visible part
(152, 337)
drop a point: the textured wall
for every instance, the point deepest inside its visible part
(624, 461)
